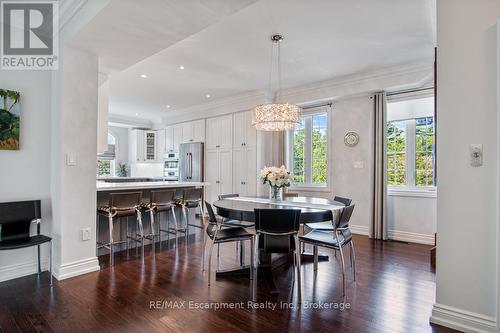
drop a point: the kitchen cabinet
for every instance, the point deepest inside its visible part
(218, 173)
(244, 134)
(219, 132)
(161, 138)
(142, 146)
(193, 131)
(245, 171)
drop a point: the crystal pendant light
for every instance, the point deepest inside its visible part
(276, 116)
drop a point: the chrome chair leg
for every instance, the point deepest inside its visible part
(210, 260)
(187, 223)
(297, 261)
(255, 251)
(39, 261)
(315, 255)
(203, 254)
(111, 253)
(252, 259)
(353, 258)
(126, 233)
(50, 264)
(343, 269)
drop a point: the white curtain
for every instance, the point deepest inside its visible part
(378, 229)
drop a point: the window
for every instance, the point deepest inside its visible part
(307, 151)
(106, 161)
(410, 141)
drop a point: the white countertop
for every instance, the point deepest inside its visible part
(102, 186)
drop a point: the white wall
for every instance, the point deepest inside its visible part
(73, 187)
(467, 200)
(25, 174)
(412, 217)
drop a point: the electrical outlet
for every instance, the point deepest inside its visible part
(86, 234)
(476, 155)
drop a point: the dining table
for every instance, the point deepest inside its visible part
(242, 209)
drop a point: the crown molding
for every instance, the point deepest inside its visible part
(390, 78)
(129, 122)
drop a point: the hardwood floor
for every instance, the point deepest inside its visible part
(394, 292)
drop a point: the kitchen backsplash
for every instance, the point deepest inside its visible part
(146, 170)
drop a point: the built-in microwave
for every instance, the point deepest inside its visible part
(171, 166)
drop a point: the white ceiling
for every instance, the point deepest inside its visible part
(226, 49)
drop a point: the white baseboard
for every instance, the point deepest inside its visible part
(22, 269)
(462, 320)
(410, 237)
(359, 229)
(75, 268)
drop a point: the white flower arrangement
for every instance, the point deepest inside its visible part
(276, 177)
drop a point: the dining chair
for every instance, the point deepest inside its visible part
(337, 240)
(217, 235)
(237, 223)
(327, 226)
(277, 232)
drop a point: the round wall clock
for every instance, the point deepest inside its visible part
(351, 139)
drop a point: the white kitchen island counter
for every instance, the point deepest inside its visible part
(108, 187)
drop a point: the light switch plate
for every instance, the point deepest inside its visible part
(70, 159)
(359, 165)
(476, 155)
(86, 234)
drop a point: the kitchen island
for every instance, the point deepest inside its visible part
(104, 190)
(108, 187)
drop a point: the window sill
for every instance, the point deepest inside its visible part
(430, 192)
(309, 188)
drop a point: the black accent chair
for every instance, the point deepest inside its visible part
(217, 235)
(15, 221)
(235, 223)
(327, 226)
(337, 240)
(122, 205)
(277, 232)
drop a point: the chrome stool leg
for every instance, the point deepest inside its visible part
(111, 252)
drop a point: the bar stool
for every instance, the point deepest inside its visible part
(121, 205)
(161, 201)
(191, 199)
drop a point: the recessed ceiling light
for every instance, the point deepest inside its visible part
(136, 114)
(144, 76)
(168, 106)
(181, 67)
(207, 95)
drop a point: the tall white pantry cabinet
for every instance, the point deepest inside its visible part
(230, 156)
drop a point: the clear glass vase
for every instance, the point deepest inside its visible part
(275, 193)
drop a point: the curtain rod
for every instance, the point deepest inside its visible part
(408, 91)
(316, 106)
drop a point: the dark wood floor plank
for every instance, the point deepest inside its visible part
(394, 292)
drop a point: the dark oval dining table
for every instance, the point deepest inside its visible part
(242, 208)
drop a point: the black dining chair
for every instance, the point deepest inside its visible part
(277, 232)
(327, 226)
(217, 235)
(337, 240)
(236, 223)
(15, 221)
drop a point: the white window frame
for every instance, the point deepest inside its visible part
(410, 126)
(308, 185)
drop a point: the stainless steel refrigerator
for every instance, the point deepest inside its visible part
(191, 162)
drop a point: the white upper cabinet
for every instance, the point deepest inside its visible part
(161, 142)
(219, 132)
(143, 146)
(245, 134)
(177, 137)
(193, 131)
